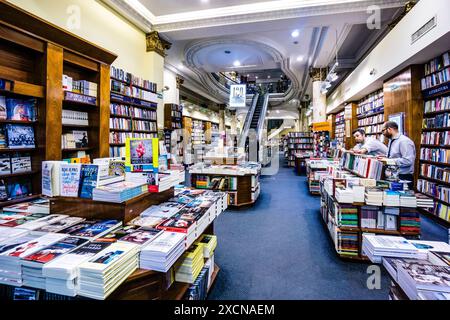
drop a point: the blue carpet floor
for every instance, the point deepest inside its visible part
(279, 249)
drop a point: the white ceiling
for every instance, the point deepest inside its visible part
(165, 7)
(259, 34)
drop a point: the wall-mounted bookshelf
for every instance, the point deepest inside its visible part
(370, 114)
(133, 110)
(339, 133)
(321, 144)
(298, 143)
(173, 116)
(36, 60)
(434, 179)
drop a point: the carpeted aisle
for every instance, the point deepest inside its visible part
(280, 249)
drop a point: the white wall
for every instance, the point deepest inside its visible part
(173, 94)
(394, 52)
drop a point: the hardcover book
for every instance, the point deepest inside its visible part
(19, 189)
(81, 139)
(20, 136)
(21, 110)
(51, 252)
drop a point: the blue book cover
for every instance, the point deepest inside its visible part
(88, 180)
(20, 136)
(19, 190)
(96, 229)
(21, 110)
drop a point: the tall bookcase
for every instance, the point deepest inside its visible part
(434, 178)
(133, 110)
(370, 114)
(298, 143)
(339, 131)
(34, 55)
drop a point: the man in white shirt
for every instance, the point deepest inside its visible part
(368, 145)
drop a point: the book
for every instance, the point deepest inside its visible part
(17, 190)
(60, 225)
(3, 191)
(81, 139)
(70, 179)
(163, 252)
(142, 237)
(89, 178)
(3, 140)
(5, 164)
(117, 234)
(20, 164)
(20, 136)
(92, 229)
(51, 175)
(21, 109)
(119, 192)
(3, 113)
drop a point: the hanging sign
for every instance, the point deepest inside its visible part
(238, 95)
(321, 126)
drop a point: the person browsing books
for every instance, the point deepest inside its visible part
(401, 150)
(368, 145)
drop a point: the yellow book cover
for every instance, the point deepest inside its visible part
(142, 152)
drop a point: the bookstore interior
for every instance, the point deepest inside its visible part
(224, 150)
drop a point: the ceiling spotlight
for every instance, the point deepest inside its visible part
(204, 1)
(256, 77)
(278, 111)
(268, 77)
(300, 58)
(295, 34)
(237, 63)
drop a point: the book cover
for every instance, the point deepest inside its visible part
(3, 114)
(51, 252)
(116, 168)
(20, 136)
(88, 180)
(81, 139)
(21, 110)
(18, 190)
(142, 236)
(118, 234)
(5, 164)
(20, 164)
(51, 178)
(96, 229)
(3, 142)
(70, 179)
(142, 154)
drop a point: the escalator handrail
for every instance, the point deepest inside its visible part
(248, 121)
(262, 117)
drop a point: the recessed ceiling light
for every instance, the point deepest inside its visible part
(237, 63)
(278, 111)
(268, 77)
(227, 51)
(295, 34)
(256, 77)
(300, 58)
(204, 1)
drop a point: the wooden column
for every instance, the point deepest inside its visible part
(105, 111)
(351, 124)
(54, 97)
(403, 93)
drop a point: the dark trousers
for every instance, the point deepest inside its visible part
(408, 177)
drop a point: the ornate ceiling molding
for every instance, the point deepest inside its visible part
(217, 88)
(187, 21)
(157, 44)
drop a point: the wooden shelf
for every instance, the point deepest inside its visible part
(436, 91)
(214, 276)
(144, 119)
(7, 150)
(436, 199)
(76, 126)
(19, 122)
(13, 175)
(121, 130)
(132, 85)
(130, 97)
(120, 116)
(435, 218)
(20, 200)
(435, 129)
(435, 113)
(144, 131)
(76, 149)
(78, 103)
(435, 146)
(442, 164)
(24, 89)
(117, 144)
(369, 115)
(447, 184)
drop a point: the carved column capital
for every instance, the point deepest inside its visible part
(318, 74)
(157, 44)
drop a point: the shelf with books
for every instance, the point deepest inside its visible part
(21, 174)
(297, 143)
(76, 149)
(443, 164)
(173, 116)
(440, 182)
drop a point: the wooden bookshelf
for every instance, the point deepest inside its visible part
(173, 116)
(129, 114)
(297, 143)
(370, 114)
(34, 55)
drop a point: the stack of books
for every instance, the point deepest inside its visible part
(209, 243)
(61, 275)
(409, 220)
(10, 233)
(374, 197)
(199, 289)
(104, 272)
(372, 218)
(377, 247)
(32, 265)
(347, 243)
(12, 251)
(420, 281)
(347, 216)
(424, 201)
(36, 206)
(190, 264)
(141, 236)
(42, 222)
(344, 195)
(92, 229)
(161, 254)
(391, 198)
(119, 192)
(60, 225)
(408, 199)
